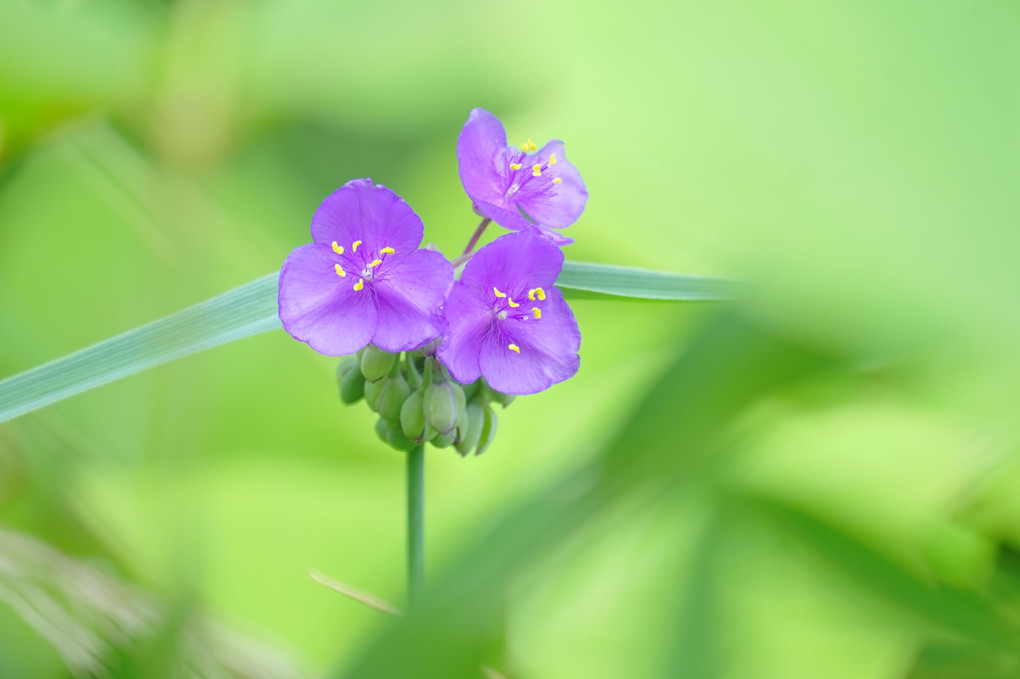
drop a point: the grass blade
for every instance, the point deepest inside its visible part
(241, 312)
(251, 309)
(584, 280)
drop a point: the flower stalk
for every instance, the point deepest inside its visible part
(415, 523)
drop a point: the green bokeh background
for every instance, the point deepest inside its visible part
(826, 485)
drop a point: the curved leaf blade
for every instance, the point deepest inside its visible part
(247, 310)
(251, 309)
(584, 280)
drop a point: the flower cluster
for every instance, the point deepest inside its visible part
(364, 289)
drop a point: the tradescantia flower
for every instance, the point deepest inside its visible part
(518, 186)
(507, 322)
(363, 279)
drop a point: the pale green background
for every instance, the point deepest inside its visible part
(857, 162)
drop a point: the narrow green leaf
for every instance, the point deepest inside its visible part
(244, 311)
(584, 280)
(251, 309)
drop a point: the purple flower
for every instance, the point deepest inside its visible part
(518, 187)
(363, 279)
(507, 322)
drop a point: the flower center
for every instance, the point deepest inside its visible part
(522, 172)
(367, 269)
(504, 307)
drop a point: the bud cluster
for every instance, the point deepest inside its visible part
(418, 401)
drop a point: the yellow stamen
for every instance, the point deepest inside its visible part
(557, 180)
(498, 293)
(531, 145)
(337, 248)
(515, 166)
(537, 312)
(531, 294)
(360, 285)
(512, 302)
(514, 347)
(387, 251)
(524, 147)
(339, 270)
(536, 170)
(354, 247)
(552, 159)
(540, 293)
(375, 262)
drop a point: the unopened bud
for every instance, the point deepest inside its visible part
(470, 428)
(471, 389)
(412, 417)
(392, 394)
(352, 386)
(376, 363)
(372, 391)
(390, 434)
(443, 440)
(443, 405)
(501, 398)
(488, 431)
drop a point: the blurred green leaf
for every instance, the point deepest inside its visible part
(251, 309)
(244, 311)
(603, 281)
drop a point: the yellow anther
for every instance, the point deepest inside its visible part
(514, 347)
(538, 312)
(337, 248)
(375, 262)
(552, 159)
(498, 293)
(557, 180)
(531, 294)
(524, 147)
(387, 251)
(512, 302)
(531, 145)
(339, 270)
(354, 246)
(360, 285)
(515, 166)
(540, 293)
(536, 170)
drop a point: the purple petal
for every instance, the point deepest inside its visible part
(372, 214)
(469, 320)
(319, 307)
(514, 263)
(556, 205)
(546, 350)
(482, 138)
(410, 290)
(504, 214)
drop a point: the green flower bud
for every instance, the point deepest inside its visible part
(372, 391)
(443, 441)
(471, 389)
(501, 398)
(444, 405)
(352, 386)
(469, 430)
(390, 434)
(412, 417)
(488, 431)
(392, 394)
(345, 365)
(376, 363)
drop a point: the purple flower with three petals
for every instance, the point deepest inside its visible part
(507, 322)
(518, 187)
(363, 279)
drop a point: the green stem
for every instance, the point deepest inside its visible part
(415, 522)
